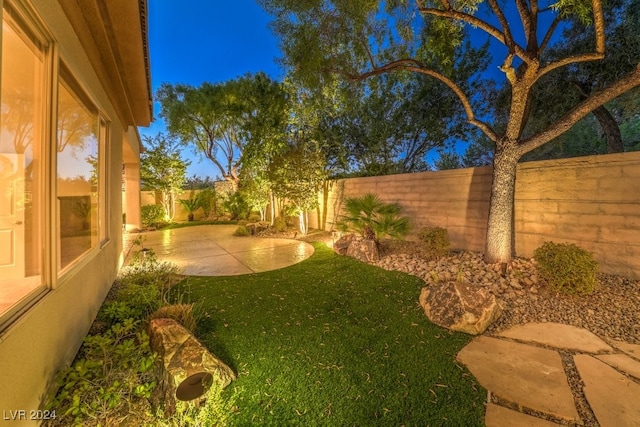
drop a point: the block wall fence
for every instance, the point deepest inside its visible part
(591, 201)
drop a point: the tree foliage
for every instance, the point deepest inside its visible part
(297, 175)
(163, 170)
(358, 40)
(221, 120)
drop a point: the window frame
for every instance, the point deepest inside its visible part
(65, 77)
(30, 25)
(55, 70)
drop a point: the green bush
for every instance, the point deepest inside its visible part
(435, 241)
(566, 267)
(280, 224)
(111, 373)
(242, 231)
(151, 215)
(236, 206)
(112, 376)
(208, 201)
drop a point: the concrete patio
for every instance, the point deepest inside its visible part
(213, 250)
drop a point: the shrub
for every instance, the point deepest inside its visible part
(280, 224)
(112, 371)
(145, 269)
(369, 212)
(181, 313)
(208, 200)
(435, 241)
(242, 231)
(236, 206)
(566, 267)
(151, 215)
(132, 301)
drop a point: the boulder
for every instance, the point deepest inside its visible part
(364, 250)
(342, 244)
(257, 227)
(460, 307)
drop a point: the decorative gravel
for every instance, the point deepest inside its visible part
(611, 311)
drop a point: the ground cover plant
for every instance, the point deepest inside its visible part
(114, 377)
(332, 341)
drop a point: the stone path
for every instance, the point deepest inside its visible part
(530, 371)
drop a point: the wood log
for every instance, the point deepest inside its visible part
(186, 369)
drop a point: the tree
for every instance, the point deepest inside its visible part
(392, 121)
(163, 170)
(221, 120)
(448, 160)
(358, 40)
(296, 176)
(557, 91)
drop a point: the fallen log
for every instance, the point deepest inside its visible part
(186, 369)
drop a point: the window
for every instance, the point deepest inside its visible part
(46, 119)
(79, 170)
(22, 135)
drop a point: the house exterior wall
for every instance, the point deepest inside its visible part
(47, 336)
(591, 201)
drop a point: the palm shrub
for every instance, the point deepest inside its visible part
(192, 204)
(368, 212)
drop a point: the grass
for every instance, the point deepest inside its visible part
(332, 341)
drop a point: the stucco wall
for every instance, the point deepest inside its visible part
(592, 201)
(47, 337)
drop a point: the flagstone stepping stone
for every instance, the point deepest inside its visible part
(623, 363)
(499, 416)
(631, 349)
(530, 376)
(612, 396)
(558, 335)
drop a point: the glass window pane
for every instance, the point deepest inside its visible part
(22, 87)
(77, 176)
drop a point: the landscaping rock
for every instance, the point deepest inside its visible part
(257, 227)
(460, 306)
(364, 250)
(342, 244)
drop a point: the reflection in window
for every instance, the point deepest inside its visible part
(77, 176)
(21, 131)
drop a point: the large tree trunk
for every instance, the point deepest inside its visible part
(499, 243)
(610, 128)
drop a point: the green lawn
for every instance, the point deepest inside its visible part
(332, 341)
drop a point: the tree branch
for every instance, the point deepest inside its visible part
(549, 34)
(587, 57)
(523, 11)
(506, 30)
(581, 110)
(472, 20)
(598, 23)
(415, 66)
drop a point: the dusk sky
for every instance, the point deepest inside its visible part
(196, 41)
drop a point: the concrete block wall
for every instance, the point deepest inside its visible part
(591, 201)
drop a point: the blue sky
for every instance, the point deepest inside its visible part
(196, 41)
